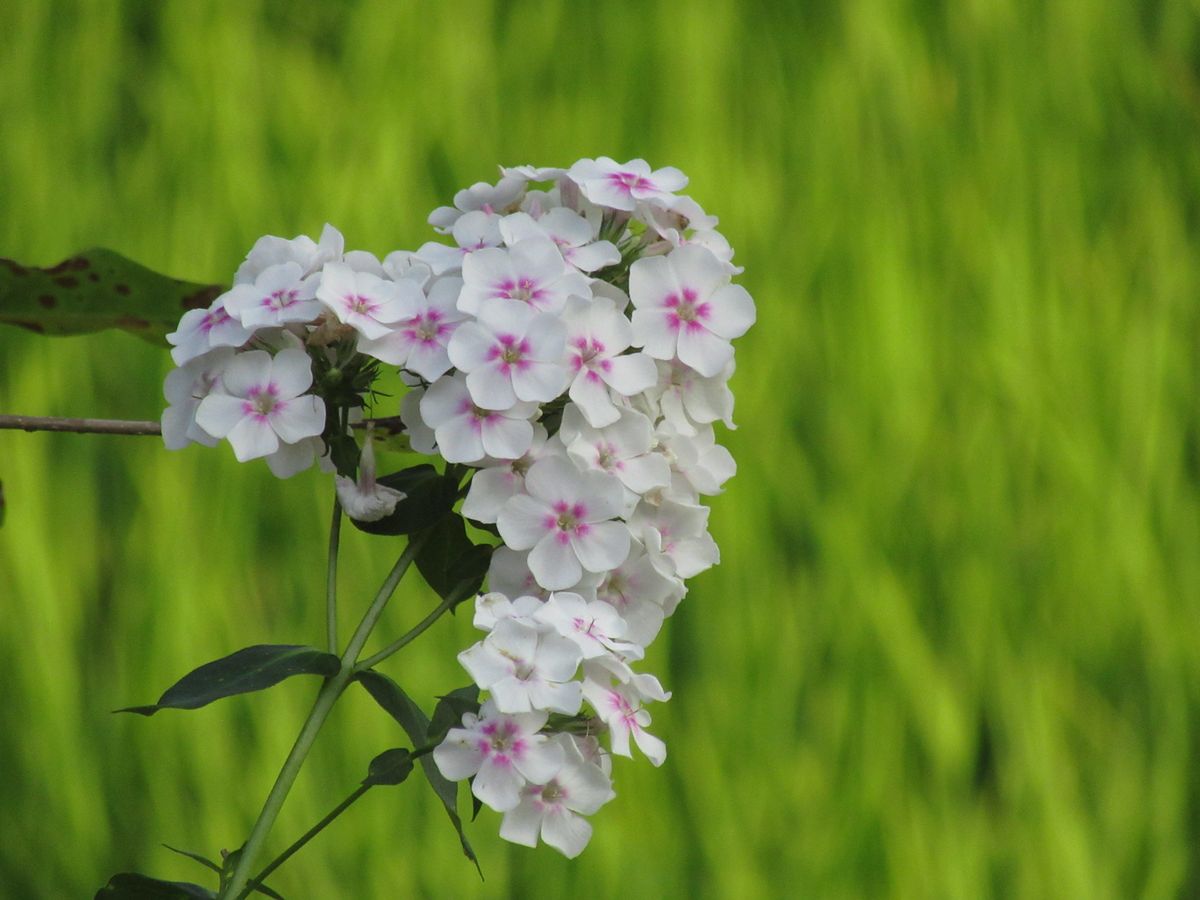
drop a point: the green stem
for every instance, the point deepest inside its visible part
(331, 622)
(330, 691)
(307, 836)
(411, 635)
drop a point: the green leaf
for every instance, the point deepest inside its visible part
(450, 711)
(203, 860)
(429, 496)
(251, 669)
(95, 290)
(450, 563)
(389, 767)
(209, 864)
(408, 714)
(132, 886)
(1, 503)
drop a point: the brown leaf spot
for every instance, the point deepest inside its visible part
(92, 276)
(122, 289)
(79, 264)
(132, 322)
(47, 301)
(202, 298)
(67, 281)
(15, 267)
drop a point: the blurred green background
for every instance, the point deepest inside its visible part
(953, 649)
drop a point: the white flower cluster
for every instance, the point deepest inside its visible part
(572, 346)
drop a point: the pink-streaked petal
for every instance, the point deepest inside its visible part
(604, 547)
(554, 563)
(591, 397)
(470, 346)
(653, 332)
(299, 418)
(505, 438)
(655, 749)
(291, 373)
(536, 381)
(541, 761)
(485, 666)
(563, 698)
(489, 490)
(219, 413)
(697, 268)
(630, 374)
(703, 350)
(251, 438)
(245, 372)
(645, 473)
(458, 756)
(459, 441)
(443, 401)
(522, 825)
(290, 459)
(553, 479)
(498, 786)
(522, 522)
(429, 360)
(669, 179)
(651, 281)
(566, 832)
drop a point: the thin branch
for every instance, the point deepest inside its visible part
(79, 426)
(386, 425)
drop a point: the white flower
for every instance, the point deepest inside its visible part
(509, 573)
(366, 302)
(467, 432)
(201, 330)
(419, 343)
(473, 231)
(498, 198)
(597, 337)
(595, 627)
(526, 669)
(270, 250)
(503, 752)
(280, 294)
(641, 594)
(675, 538)
(510, 353)
(687, 399)
(685, 307)
(564, 521)
(491, 488)
(554, 809)
(571, 233)
(494, 607)
(365, 500)
(532, 272)
(620, 185)
(619, 706)
(184, 388)
(622, 449)
(261, 402)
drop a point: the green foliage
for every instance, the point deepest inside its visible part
(251, 669)
(94, 290)
(131, 886)
(951, 647)
(389, 768)
(429, 496)
(389, 695)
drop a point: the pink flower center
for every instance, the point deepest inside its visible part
(261, 401)
(684, 311)
(280, 299)
(358, 304)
